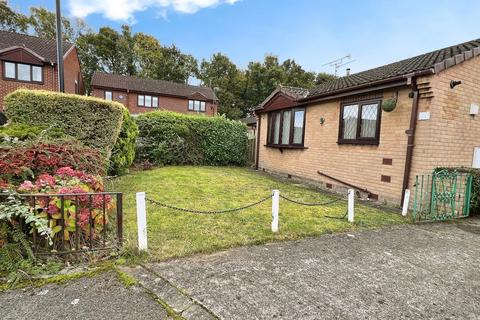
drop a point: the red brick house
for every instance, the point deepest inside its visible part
(31, 62)
(143, 95)
(378, 129)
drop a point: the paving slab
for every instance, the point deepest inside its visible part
(99, 297)
(426, 271)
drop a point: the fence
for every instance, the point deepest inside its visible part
(79, 222)
(251, 150)
(275, 196)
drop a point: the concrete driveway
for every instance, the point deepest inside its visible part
(428, 271)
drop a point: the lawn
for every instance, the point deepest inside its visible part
(173, 234)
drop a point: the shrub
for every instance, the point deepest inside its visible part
(24, 132)
(28, 160)
(94, 122)
(475, 197)
(123, 153)
(172, 138)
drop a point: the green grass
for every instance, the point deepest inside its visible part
(173, 234)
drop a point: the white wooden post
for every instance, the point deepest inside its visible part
(275, 209)
(142, 221)
(351, 209)
(406, 200)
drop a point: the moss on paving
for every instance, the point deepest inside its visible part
(174, 234)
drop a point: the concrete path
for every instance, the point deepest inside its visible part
(429, 271)
(99, 298)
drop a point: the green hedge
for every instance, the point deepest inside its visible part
(172, 138)
(123, 153)
(24, 132)
(94, 122)
(475, 198)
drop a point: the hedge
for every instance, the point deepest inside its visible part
(24, 132)
(475, 197)
(168, 138)
(123, 153)
(95, 122)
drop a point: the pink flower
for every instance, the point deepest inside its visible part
(26, 186)
(66, 172)
(45, 180)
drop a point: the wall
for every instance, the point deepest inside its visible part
(449, 137)
(7, 86)
(360, 165)
(165, 103)
(72, 73)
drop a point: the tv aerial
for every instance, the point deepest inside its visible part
(336, 64)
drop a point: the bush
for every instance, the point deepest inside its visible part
(24, 161)
(123, 153)
(24, 132)
(172, 138)
(475, 197)
(94, 122)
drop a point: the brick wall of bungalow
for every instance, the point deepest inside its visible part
(50, 79)
(360, 165)
(448, 138)
(451, 134)
(164, 103)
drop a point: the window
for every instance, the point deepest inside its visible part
(195, 105)
(286, 128)
(22, 72)
(147, 101)
(360, 123)
(108, 95)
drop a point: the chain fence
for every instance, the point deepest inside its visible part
(161, 204)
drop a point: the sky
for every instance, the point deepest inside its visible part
(313, 32)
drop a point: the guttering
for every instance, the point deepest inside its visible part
(257, 149)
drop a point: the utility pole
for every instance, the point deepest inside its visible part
(61, 83)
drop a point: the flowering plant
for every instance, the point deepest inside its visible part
(85, 214)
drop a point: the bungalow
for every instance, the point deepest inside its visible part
(377, 129)
(31, 62)
(143, 95)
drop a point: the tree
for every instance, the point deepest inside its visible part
(223, 74)
(295, 76)
(12, 21)
(175, 65)
(127, 48)
(89, 61)
(324, 77)
(148, 52)
(44, 24)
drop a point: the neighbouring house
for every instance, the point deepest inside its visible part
(377, 129)
(143, 95)
(251, 122)
(31, 62)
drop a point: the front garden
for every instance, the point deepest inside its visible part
(174, 233)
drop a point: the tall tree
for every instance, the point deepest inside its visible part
(175, 65)
(43, 23)
(148, 52)
(127, 48)
(87, 53)
(324, 77)
(12, 21)
(223, 74)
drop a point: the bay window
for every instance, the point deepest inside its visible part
(22, 72)
(286, 128)
(360, 123)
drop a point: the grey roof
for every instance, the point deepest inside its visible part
(249, 120)
(45, 48)
(392, 70)
(294, 92)
(162, 87)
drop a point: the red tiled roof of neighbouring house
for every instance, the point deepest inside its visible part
(162, 87)
(44, 48)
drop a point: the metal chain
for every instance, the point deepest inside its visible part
(312, 204)
(158, 203)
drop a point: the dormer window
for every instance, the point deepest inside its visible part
(22, 72)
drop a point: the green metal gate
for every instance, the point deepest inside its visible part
(442, 195)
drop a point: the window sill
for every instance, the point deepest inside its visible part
(360, 142)
(284, 147)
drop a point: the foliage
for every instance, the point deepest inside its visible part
(172, 138)
(123, 153)
(23, 132)
(173, 233)
(27, 160)
(94, 122)
(10, 20)
(77, 210)
(475, 197)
